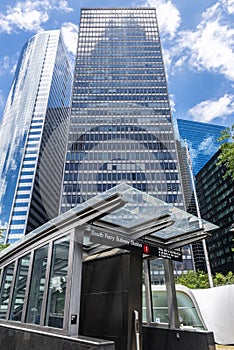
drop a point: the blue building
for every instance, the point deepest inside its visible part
(201, 139)
(33, 135)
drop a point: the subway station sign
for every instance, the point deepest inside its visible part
(138, 246)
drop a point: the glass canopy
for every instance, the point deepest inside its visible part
(125, 216)
(144, 216)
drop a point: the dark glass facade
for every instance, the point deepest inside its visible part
(120, 128)
(34, 127)
(216, 198)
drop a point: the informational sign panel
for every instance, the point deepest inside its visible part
(138, 246)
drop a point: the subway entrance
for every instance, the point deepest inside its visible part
(86, 276)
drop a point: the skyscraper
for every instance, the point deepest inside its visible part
(216, 198)
(33, 135)
(201, 139)
(121, 128)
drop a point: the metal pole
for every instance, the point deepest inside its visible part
(199, 217)
(173, 313)
(148, 292)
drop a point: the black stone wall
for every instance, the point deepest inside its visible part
(21, 339)
(111, 290)
(170, 339)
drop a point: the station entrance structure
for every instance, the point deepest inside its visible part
(77, 280)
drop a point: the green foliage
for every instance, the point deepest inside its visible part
(194, 280)
(199, 279)
(226, 156)
(220, 279)
(2, 245)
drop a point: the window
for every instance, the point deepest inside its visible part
(37, 286)
(6, 288)
(20, 288)
(58, 283)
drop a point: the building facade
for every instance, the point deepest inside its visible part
(198, 143)
(216, 198)
(121, 128)
(34, 126)
(190, 202)
(201, 139)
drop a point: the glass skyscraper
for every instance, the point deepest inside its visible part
(216, 199)
(120, 126)
(201, 139)
(33, 135)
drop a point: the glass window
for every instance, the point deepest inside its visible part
(37, 286)
(187, 311)
(5, 289)
(58, 283)
(20, 288)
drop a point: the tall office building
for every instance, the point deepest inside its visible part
(201, 139)
(190, 204)
(33, 135)
(216, 197)
(120, 127)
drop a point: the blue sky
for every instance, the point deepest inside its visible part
(197, 39)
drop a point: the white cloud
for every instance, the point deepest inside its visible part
(230, 5)
(172, 102)
(2, 100)
(193, 153)
(63, 5)
(4, 64)
(29, 15)
(208, 146)
(211, 45)
(206, 111)
(169, 18)
(70, 33)
(3, 224)
(8, 64)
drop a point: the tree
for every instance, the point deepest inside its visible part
(194, 280)
(220, 279)
(2, 245)
(199, 279)
(226, 156)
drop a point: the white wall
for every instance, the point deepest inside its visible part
(216, 306)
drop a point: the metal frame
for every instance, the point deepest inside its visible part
(73, 224)
(72, 300)
(47, 282)
(28, 283)
(70, 224)
(148, 292)
(171, 295)
(12, 288)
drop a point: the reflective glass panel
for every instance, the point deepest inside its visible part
(188, 314)
(58, 284)
(20, 288)
(37, 286)
(6, 289)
